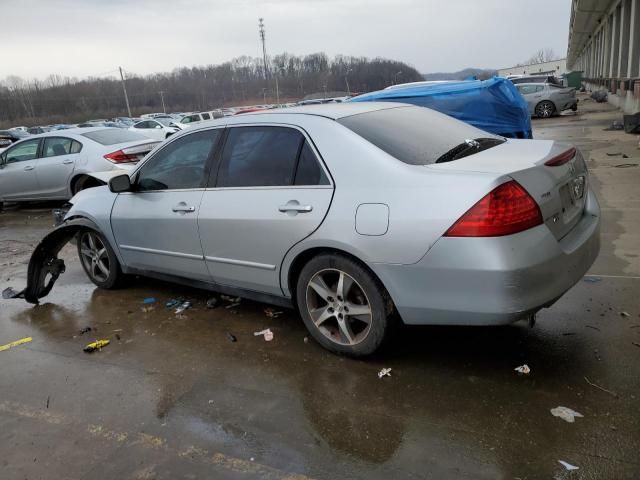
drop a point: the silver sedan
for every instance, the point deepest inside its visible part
(356, 214)
(547, 99)
(56, 165)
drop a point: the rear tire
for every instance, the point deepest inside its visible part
(98, 260)
(344, 307)
(545, 109)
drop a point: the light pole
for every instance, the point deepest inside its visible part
(346, 80)
(395, 77)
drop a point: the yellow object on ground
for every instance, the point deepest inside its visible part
(97, 345)
(15, 344)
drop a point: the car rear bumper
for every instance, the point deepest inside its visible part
(493, 281)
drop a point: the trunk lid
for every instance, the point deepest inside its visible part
(560, 191)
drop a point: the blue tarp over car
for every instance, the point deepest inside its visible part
(494, 105)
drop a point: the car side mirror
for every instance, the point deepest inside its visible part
(120, 184)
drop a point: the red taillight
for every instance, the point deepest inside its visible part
(121, 157)
(506, 210)
(561, 159)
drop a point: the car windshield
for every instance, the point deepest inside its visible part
(414, 135)
(111, 136)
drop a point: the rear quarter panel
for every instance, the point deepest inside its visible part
(423, 203)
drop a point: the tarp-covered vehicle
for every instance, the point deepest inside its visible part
(494, 105)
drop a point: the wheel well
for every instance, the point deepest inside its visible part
(87, 182)
(301, 260)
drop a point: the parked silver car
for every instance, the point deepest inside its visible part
(56, 165)
(349, 212)
(547, 99)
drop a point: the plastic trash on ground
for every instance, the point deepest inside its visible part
(494, 105)
(567, 465)
(149, 300)
(385, 372)
(524, 369)
(97, 345)
(183, 307)
(267, 334)
(566, 414)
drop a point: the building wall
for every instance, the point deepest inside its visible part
(604, 42)
(556, 67)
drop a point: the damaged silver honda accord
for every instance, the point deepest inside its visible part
(358, 215)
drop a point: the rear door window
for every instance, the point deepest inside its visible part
(309, 171)
(259, 157)
(55, 146)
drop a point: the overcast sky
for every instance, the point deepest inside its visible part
(91, 37)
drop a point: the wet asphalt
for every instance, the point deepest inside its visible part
(172, 397)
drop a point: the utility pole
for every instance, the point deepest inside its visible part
(346, 80)
(277, 93)
(164, 110)
(264, 48)
(124, 89)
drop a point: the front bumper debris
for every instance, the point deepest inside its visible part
(44, 266)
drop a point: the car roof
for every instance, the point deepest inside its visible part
(332, 111)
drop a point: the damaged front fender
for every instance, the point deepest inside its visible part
(44, 266)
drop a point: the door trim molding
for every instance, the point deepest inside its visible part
(241, 263)
(161, 252)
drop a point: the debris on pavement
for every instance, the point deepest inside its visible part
(591, 279)
(385, 372)
(15, 344)
(616, 125)
(616, 154)
(232, 338)
(271, 313)
(230, 299)
(523, 369)
(600, 96)
(305, 339)
(624, 314)
(97, 345)
(149, 300)
(613, 394)
(232, 305)
(566, 414)
(636, 344)
(84, 330)
(183, 307)
(567, 466)
(148, 309)
(267, 334)
(212, 303)
(174, 302)
(9, 292)
(593, 327)
(626, 165)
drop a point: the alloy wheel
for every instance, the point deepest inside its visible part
(545, 109)
(94, 256)
(339, 307)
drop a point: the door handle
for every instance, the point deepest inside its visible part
(27, 168)
(67, 162)
(182, 208)
(295, 207)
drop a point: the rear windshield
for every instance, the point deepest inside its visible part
(413, 135)
(111, 136)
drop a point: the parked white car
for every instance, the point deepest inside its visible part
(157, 128)
(56, 165)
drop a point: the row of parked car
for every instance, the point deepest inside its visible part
(57, 161)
